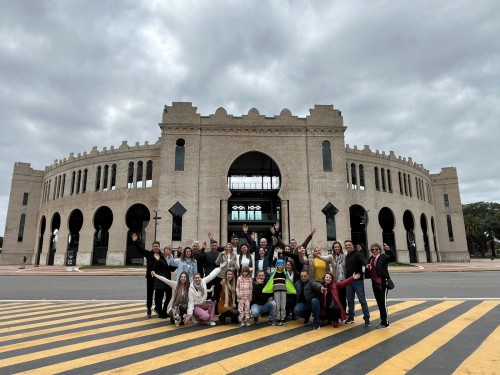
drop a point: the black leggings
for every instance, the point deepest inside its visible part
(182, 312)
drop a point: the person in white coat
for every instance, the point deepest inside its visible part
(201, 309)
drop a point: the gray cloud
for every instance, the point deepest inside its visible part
(417, 78)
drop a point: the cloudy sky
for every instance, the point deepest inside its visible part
(421, 78)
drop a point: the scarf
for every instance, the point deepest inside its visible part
(339, 269)
(180, 296)
(229, 292)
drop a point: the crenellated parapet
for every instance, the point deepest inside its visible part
(95, 153)
(383, 157)
(182, 117)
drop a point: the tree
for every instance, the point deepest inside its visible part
(482, 225)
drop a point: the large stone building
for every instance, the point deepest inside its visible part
(214, 173)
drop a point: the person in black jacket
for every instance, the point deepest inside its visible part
(150, 261)
(354, 262)
(308, 298)
(378, 271)
(163, 266)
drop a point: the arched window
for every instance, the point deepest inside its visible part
(377, 181)
(327, 156)
(149, 173)
(84, 184)
(138, 177)
(354, 179)
(382, 174)
(409, 185)
(63, 184)
(361, 177)
(130, 176)
(78, 181)
(417, 187)
(347, 175)
(98, 179)
(113, 177)
(55, 188)
(389, 180)
(400, 183)
(72, 189)
(105, 178)
(406, 184)
(422, 190)
(20, 234)
(179, 154)
(450, 228)
(58, 186)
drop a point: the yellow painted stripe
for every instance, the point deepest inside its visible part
(80, 308)
(485, 359)
(123, 352)
(74, 335)
(34, 313)
(237, 362)
(27, 306)
(329, 358)
(407, 359)
(91, 323)
(7, 306)
(199, 350)
(59, 322)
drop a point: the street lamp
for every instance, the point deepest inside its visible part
(365, 222)
(156, 218)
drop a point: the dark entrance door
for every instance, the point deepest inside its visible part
(254, 182)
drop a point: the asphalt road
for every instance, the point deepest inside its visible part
(408, 285)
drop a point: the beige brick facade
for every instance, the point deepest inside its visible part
(210, 146)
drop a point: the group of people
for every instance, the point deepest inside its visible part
(242, 283)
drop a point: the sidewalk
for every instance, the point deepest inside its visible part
(13, 270)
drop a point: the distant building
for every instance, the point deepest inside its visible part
(214, 173)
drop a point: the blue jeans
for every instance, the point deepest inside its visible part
(304, 310)
(269, 308)
(358, 287)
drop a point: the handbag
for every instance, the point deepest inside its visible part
(389, 283)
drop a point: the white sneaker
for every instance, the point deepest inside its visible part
(210, 323)
(242, 324)
(247, 324)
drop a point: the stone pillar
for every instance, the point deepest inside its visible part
(223, 222)
(285, 230)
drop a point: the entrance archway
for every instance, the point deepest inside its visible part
(254, 180)
(434, 239)
(359, 222)
(54, 236)
(43, 225)
(75, 223)
(103, 219)
(424, 226)
(387, 223)
(137, 219)
(409, 224)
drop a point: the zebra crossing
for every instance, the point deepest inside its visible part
(459, 336)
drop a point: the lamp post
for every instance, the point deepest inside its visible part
(156, 218)
(365, 220)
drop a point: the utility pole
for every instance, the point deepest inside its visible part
(156, 218)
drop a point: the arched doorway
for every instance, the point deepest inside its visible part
(103, 219)
(137, 219)
(359, 223)
(424, 226)
(386, 221)
(75, 223)
(254, 181)
(409, 224)
(434, 239)
(54, 237)
(43, 225)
